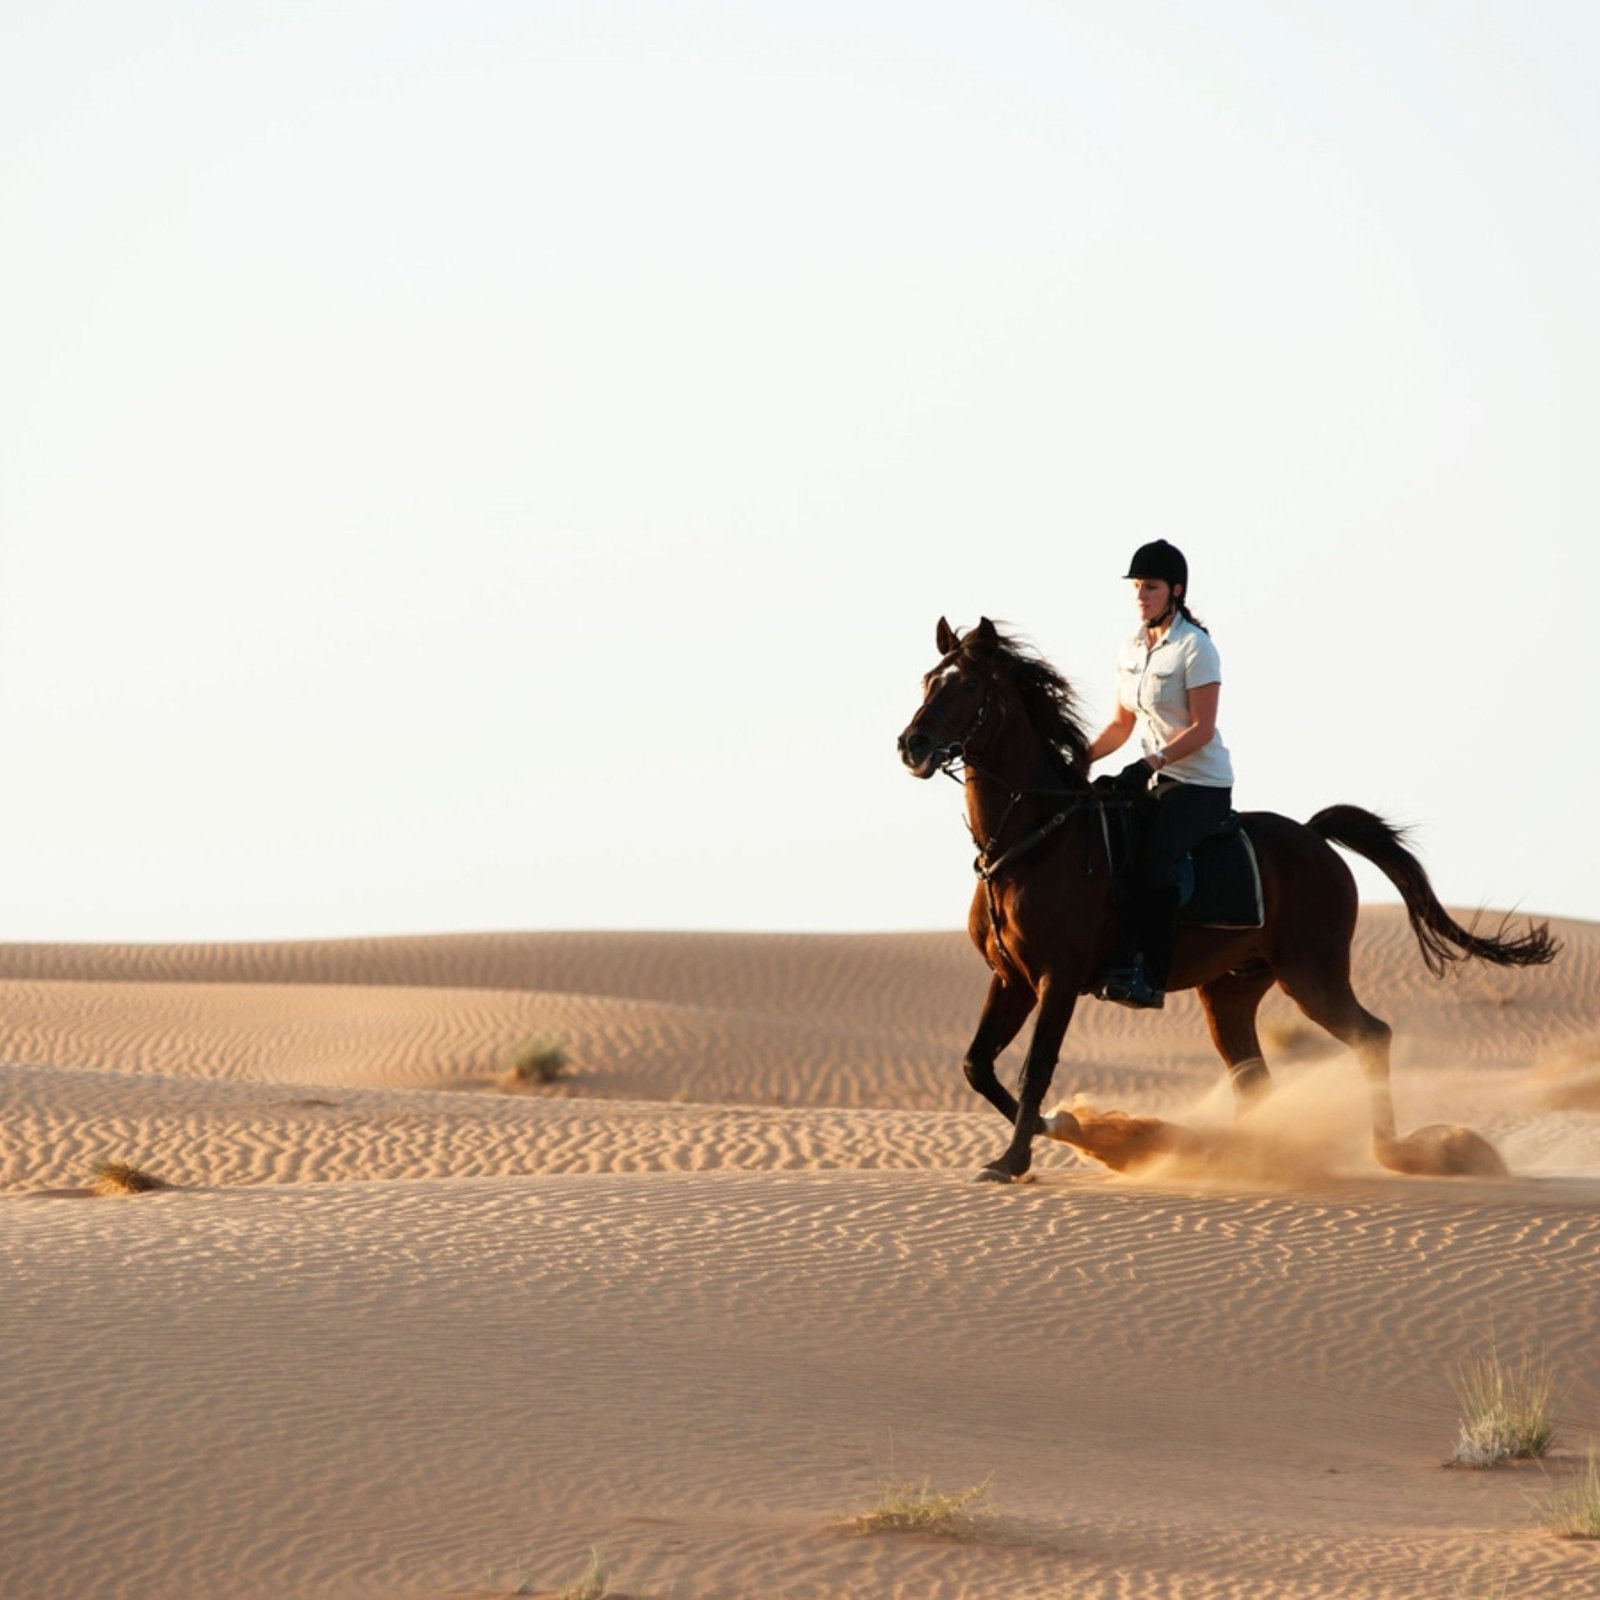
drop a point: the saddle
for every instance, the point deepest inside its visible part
(1219, 881)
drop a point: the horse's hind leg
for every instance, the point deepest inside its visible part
(1328, 1000)
(1230, 1003)
(1004, 1011)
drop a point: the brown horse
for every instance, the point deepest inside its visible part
(1042, 912)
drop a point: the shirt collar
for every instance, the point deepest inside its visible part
(1175, 628)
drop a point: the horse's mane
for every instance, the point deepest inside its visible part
(1050, 702)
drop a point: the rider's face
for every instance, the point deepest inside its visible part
(1151, 596)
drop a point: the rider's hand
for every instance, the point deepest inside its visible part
(1134, 778)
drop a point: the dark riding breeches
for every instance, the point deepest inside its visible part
(1177, 817)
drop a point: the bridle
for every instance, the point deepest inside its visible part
(988, 864)
(946, 755)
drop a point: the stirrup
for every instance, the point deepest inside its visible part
(1128, 986)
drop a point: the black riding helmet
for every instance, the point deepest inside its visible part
(1160, 560)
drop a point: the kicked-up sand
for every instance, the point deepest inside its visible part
(392, 1324)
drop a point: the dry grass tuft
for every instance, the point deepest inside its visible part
(591, 1584)
(905, 1506)
(541, 1060)
(1573, 1512)
(1508, 1408)
(122, 1177)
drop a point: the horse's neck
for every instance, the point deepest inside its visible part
(1012, 790)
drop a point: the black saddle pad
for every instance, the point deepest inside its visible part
(1221, 883)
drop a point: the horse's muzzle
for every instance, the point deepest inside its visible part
(917, 751)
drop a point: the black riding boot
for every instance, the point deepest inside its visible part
(1142, 983)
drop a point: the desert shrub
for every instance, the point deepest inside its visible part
(906, 1506)
(539, 1060)
(1508, 1408)
(122, 1177)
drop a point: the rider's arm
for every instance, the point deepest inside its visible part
(1115, 733)
(1202, 723)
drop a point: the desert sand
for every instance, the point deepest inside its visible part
(391, 1329)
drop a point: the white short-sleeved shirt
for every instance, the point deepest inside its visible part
(1154, 683)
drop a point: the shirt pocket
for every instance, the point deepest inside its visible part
(1163, 691)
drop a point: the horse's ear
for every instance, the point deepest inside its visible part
(984, 636)
(945, 637)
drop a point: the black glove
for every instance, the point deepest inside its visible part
(1134, 778)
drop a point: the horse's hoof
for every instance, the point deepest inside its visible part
(999, 1175)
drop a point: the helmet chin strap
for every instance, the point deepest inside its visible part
(1167, 615)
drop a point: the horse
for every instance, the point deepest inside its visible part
(1043, 910)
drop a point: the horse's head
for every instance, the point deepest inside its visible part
(958, 699)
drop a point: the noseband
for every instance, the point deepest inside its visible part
(954, 750)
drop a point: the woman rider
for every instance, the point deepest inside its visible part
(1169, 679)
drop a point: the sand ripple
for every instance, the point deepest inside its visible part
(705, 1370)
(397, 1333)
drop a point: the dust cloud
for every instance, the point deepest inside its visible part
(1312, 1128)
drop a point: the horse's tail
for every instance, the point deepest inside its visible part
(1442, 938)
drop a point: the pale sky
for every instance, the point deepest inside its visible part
(474, 465)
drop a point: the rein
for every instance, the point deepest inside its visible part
(988, 866)
(990, 870)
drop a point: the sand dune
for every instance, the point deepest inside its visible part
(394, 1331)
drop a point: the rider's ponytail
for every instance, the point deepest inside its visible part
(1188, 615)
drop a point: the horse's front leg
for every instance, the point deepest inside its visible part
(1057, 1000)
(1005, 1009)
